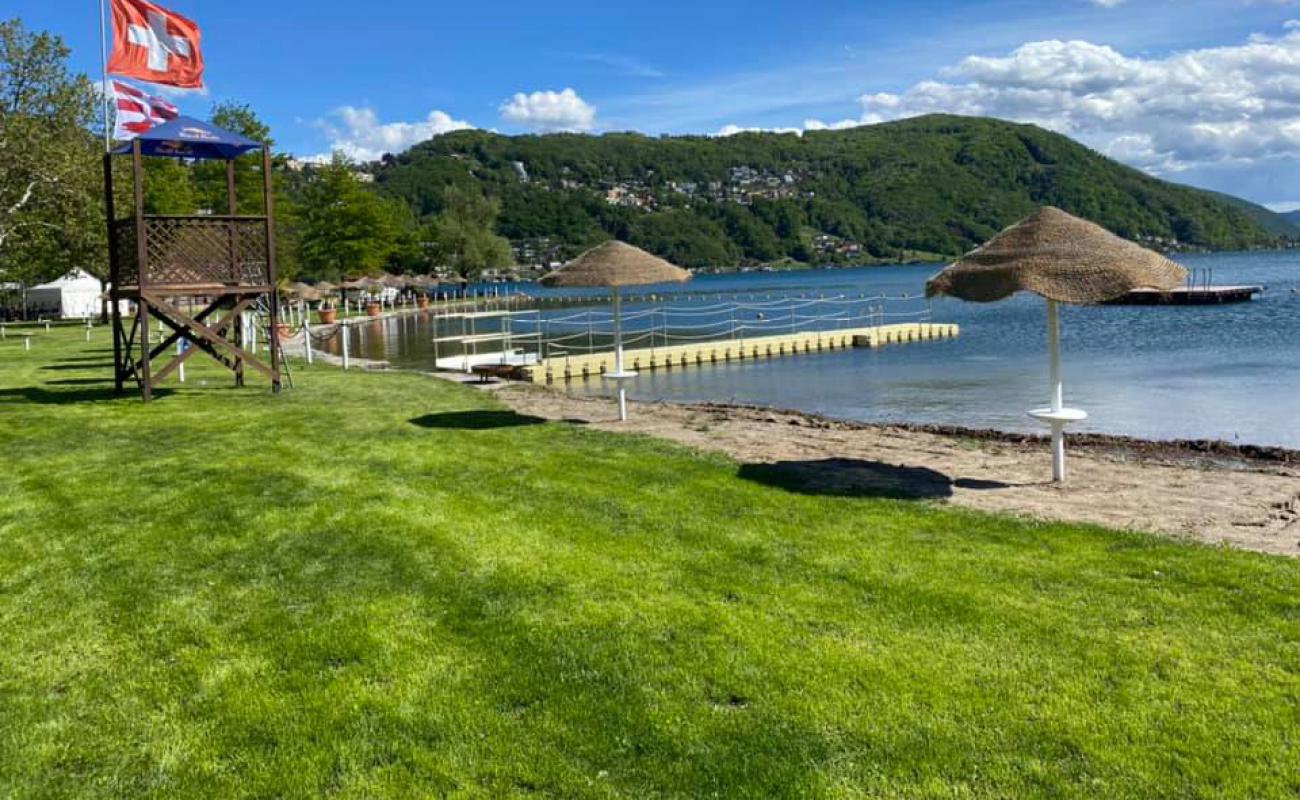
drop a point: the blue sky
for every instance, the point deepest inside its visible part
(1201, 91)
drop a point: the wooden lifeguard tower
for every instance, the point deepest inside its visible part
(227, 262)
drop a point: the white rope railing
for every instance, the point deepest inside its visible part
(592, 331)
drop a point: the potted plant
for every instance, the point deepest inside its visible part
(328, 313)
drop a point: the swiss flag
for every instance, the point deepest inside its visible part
(153, 44)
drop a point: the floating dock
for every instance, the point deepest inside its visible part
(1188, 296)
(590, 365)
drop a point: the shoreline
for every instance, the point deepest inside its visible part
(1206, 453)
(1216, 493)
(1211, 453)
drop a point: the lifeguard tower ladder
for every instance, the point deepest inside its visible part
(227, 262)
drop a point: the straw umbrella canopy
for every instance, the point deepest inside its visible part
(325, 290)
(363, 284)
(297, 288)
(614, 265)
(304, 291)
(1063, 259)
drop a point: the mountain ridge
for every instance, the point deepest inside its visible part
(925, 187)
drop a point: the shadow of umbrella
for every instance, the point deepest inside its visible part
(851, 477)
(479, 420)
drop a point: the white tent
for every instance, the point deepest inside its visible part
(74, 296)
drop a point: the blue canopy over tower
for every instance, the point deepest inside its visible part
(186, 137)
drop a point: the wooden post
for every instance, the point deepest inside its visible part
(232, 240)
(114, 273)
(142, 270)
(270, 269)
(232, 208)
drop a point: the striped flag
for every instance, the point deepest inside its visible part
(137, 112)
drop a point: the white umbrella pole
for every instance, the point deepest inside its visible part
(618, 353)
(1058, 426)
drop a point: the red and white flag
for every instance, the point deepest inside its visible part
(153, 44)
(137, 112)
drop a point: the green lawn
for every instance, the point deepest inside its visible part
(383, 585)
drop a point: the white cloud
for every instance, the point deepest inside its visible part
(550, 111)
(359, 133)
(808, 125)
(818, 125)
(732, 130)
(1231, 104)
(1106, 3)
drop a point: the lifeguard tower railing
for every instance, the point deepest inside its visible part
(193, 255)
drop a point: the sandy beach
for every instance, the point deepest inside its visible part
(1209, 492)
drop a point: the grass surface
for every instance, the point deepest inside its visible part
(383, 585)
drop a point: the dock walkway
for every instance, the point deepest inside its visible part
(1188, 296)
(588, 365)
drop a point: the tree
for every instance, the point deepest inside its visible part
(462, 235)
(50, 204)
(210, 176)
(342, 226)
(168, 188)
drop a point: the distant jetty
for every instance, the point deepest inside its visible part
(1189, 296)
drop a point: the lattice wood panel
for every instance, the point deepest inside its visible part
(188, 250)
(124, 244)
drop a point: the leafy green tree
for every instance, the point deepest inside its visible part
(50, 174)
(168, 187)
(210, 176)
(342, 227)
(462, 237)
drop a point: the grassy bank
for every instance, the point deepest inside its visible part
(382, 585)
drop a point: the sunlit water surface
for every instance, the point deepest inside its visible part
(1228, 372)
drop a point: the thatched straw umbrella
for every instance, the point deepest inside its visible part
(297, 288)
(1065, 260)
(324, 291)
(614, 265)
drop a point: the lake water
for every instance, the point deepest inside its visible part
(1227, 372)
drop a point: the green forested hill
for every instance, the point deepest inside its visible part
(1281, 225)
(925, 187)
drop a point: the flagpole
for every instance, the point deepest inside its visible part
(104, 88)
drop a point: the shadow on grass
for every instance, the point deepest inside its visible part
(79, 381)
(79, 366)
(849, 477)
(481, 420)
(41, 396)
